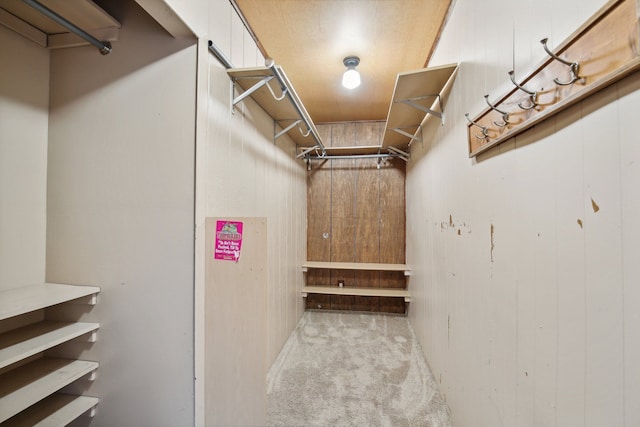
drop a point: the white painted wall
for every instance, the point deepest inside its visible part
(244, 173)
(250, 174)
(24, 113)
(541, 328)
(120, 213)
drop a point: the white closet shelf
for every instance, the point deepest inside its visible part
(26, 385)
(56, 410)
(366, 266)
(17, 301)
(417, 95)
(365, 292)
(18, 344)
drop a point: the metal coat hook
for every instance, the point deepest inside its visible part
(484, 135)
(505, 115)
(573, 66)
(533, 96)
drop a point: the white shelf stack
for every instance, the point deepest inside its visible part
(29, 381)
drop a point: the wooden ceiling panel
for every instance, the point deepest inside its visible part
(310, 38)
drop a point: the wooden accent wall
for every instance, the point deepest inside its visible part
(356, 213)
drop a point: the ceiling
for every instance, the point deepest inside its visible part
(310, 38)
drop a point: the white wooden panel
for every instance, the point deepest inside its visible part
(628, 106)
(527, 158)
(570, 196)
(249, 52)
(253, 176)
(572, 301)
(236, 336)
(122, 216)
(220, 25)
(604, 303)
(24, 86)
(237, 38)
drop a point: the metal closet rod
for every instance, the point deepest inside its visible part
(355, 156)
(103, 46)
(221, 57)
(270, 63)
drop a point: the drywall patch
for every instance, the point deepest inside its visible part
(595, 206)
(580, 222)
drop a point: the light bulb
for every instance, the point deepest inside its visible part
(351, 78)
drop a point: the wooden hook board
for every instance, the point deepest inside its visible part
(607, 47)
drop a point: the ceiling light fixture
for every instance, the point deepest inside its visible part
(351, 77)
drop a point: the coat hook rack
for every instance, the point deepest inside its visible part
(604, 49)
(484, 129)
(533, 96)
(573, 66)
(504, 114)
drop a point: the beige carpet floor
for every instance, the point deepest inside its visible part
(351, 369)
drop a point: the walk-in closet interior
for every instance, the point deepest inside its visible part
(189, 196)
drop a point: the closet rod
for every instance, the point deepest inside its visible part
(103, 46)
(354, 156)
(221, 57)
(270, 63)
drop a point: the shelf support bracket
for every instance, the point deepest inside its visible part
(411, 102)
(251, 90)
(407, 134)
(400, 153)
(287, 129)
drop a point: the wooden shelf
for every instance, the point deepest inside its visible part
(363, 292)
(26, 385)
(422, 87)
(14, 302)
(27, 341)
(366, 266)
(29, 23)
(56, 410)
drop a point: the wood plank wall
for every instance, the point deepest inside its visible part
(356, 213)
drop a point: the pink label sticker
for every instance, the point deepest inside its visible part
(228, 240)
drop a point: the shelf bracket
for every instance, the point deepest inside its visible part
(400, 153)
(251, 90)
(287, 129)
(407, 134)
(411, 102)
